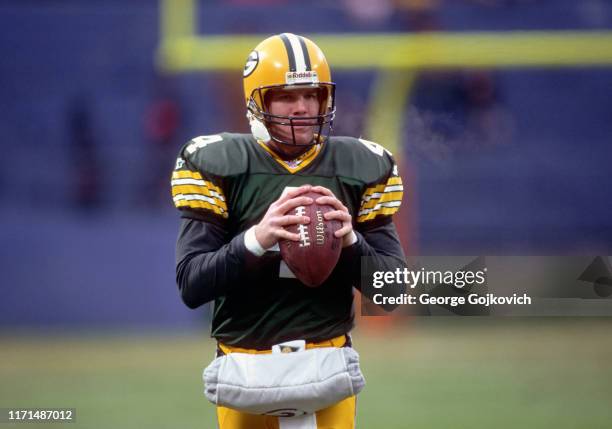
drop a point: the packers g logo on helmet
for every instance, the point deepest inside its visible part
(287, 61)
(251, 63)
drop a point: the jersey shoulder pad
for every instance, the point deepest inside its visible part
(361, 159)
(219, 155)
(199, 177)
(373, 166)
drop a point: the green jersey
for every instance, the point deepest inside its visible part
(226, 182)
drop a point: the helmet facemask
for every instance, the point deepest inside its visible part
(261, 119)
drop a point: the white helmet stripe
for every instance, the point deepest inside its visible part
(289, 49)
(300, 63)
(298, 52)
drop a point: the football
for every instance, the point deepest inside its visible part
(314, 256)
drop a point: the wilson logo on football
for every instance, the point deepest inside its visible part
(320, 229)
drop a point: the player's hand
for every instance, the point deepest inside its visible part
(341, 214)
(271, 229)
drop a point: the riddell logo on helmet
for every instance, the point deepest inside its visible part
(301, 77)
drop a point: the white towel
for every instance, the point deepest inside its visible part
(301, 382)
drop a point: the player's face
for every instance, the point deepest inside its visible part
(296, 103)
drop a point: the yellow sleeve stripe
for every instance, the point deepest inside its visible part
(388, 211)
(377, 195)
(373, 191)
(394, 180)
(391, 183)
(386, 197)
(198, 204)
(382, 199)
(379, 206)
(190, 190)
(214, 190)
(200, 190)
(186, 174)
(185, 177)
(200, 197)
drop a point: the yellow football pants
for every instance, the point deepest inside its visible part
(338, 416)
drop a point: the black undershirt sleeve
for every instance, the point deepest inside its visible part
(207, 265)
(383, 249)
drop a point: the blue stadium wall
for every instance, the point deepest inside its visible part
(111, 263)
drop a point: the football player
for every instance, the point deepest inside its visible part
(230, 191)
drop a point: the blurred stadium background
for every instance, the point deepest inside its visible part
(499, 112)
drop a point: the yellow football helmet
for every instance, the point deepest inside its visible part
(286, 61)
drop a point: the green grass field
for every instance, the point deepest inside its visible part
(436, 373)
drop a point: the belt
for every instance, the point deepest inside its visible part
(340, 341)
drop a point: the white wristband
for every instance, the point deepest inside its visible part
(251, 243)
